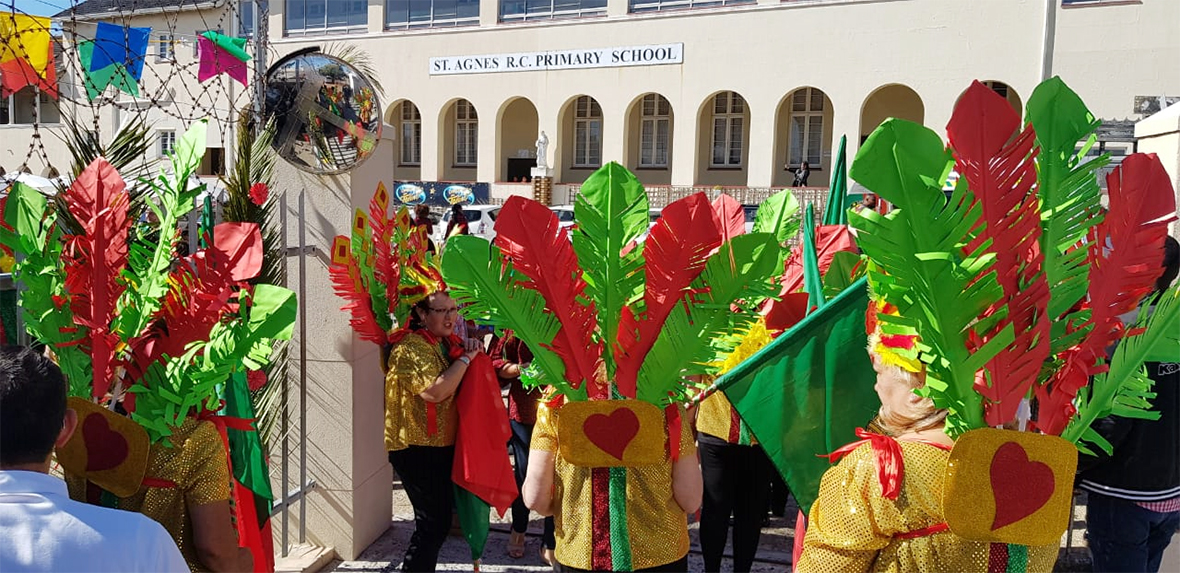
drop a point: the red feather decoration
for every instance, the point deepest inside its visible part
(1000, 172)
(94, 259)
(730, 215)
(530, 235)
(829, 240)
(346, 279)
(675, 253)
(202, 290)
(1125, 253)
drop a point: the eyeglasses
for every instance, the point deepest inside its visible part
(444, 311)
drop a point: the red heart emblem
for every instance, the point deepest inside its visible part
(613, 433)
(1019, 486)
(105, 448)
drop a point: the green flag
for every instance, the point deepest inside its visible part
(836, 211)
(813, 281)
(474, 519)
(787, 392)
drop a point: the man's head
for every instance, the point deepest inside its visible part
(870, 201)
(33, 414)
(1171, 264)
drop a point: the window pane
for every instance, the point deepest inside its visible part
(468, 8)
(316, 15)
(397, 12)
(596, 143)
(661, 155)
(359, 14)
(817, 100)
(663, 107)
(296, 15)
(815, 135)
(246, 17)
(338, 13)
(646, 142)
(735, 141)
(721, 103)
(649, 104)
(595, 109)
(799, 101)
(580, 143)
(796, 145)
(445, 10)
(419, 12)
(738, 105)
(719, 126)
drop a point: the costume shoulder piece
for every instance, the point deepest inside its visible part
(132, 324)
(1007, 290)
(383, 269)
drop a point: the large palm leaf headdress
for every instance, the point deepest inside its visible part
(1012, 285)
(608, 317)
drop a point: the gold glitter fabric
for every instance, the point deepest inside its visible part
(657, 527)
(414, 365)
(852, 527)
(717, 418)
(197, 464)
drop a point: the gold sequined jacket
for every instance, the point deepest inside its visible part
(414, 366)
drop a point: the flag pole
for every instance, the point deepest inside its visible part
(1047, 40)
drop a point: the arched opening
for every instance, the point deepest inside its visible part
(648, 148)
(893, 100)
(459, 141)
(581, 139)
(516, 137)
(803, 133)
(406, 121)
(723, 140)
(1004, 90)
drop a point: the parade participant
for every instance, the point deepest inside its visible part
(164, 341)
(510, 357)
(458, 224)
(398, 300)
(980, 300)
(737, 477)
(425, 368)
(612, 457)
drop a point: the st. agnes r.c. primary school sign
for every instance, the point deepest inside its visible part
(652, 55)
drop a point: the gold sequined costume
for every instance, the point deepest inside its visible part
(414, 366)
(196, 464)
(854, 528)
(657, 526)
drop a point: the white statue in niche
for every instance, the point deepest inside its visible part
(542, 150)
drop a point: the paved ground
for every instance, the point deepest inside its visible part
(385, 554)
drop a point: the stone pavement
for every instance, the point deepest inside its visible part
(386, 553)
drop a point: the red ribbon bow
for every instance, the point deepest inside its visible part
(887, 456)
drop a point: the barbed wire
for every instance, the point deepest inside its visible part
(169, 87)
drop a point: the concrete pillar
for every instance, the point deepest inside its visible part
(487, 158)
(351, 505)
(489, 14)
(684, 142)
(617, 7)
(376, 16)
(431, 143)
(1160, 134)
(760, 157)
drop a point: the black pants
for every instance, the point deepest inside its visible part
(737, 481)
(678, 566)
(522, 434)
(425, 472)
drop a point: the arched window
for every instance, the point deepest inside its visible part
(466, 134)
(587, 133)
(806, 128)
(728, 126)
(655, 131)
(411, 141)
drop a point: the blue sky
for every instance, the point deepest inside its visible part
(37, 7)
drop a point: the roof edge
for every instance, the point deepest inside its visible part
(139, 11)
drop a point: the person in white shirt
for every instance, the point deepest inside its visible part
(41, 528)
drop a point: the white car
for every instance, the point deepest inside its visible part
(565, 215)
(481, 222)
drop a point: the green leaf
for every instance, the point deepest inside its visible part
(612, 211)
(475, 270)
(1125, 385)
(25, 213)
(706, 326)
(272, 312)
(779, 216)
(846, 268)
(1069, 192)
(190, 149)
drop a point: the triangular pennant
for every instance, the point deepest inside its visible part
(25, 38)
(118, 45)
(96, 82)
(220, 53)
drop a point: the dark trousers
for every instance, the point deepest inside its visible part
(737, 482)
(1126, 537)
(425, 472)
(522, 434)
(678, 566)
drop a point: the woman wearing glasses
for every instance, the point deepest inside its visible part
(426, 362)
